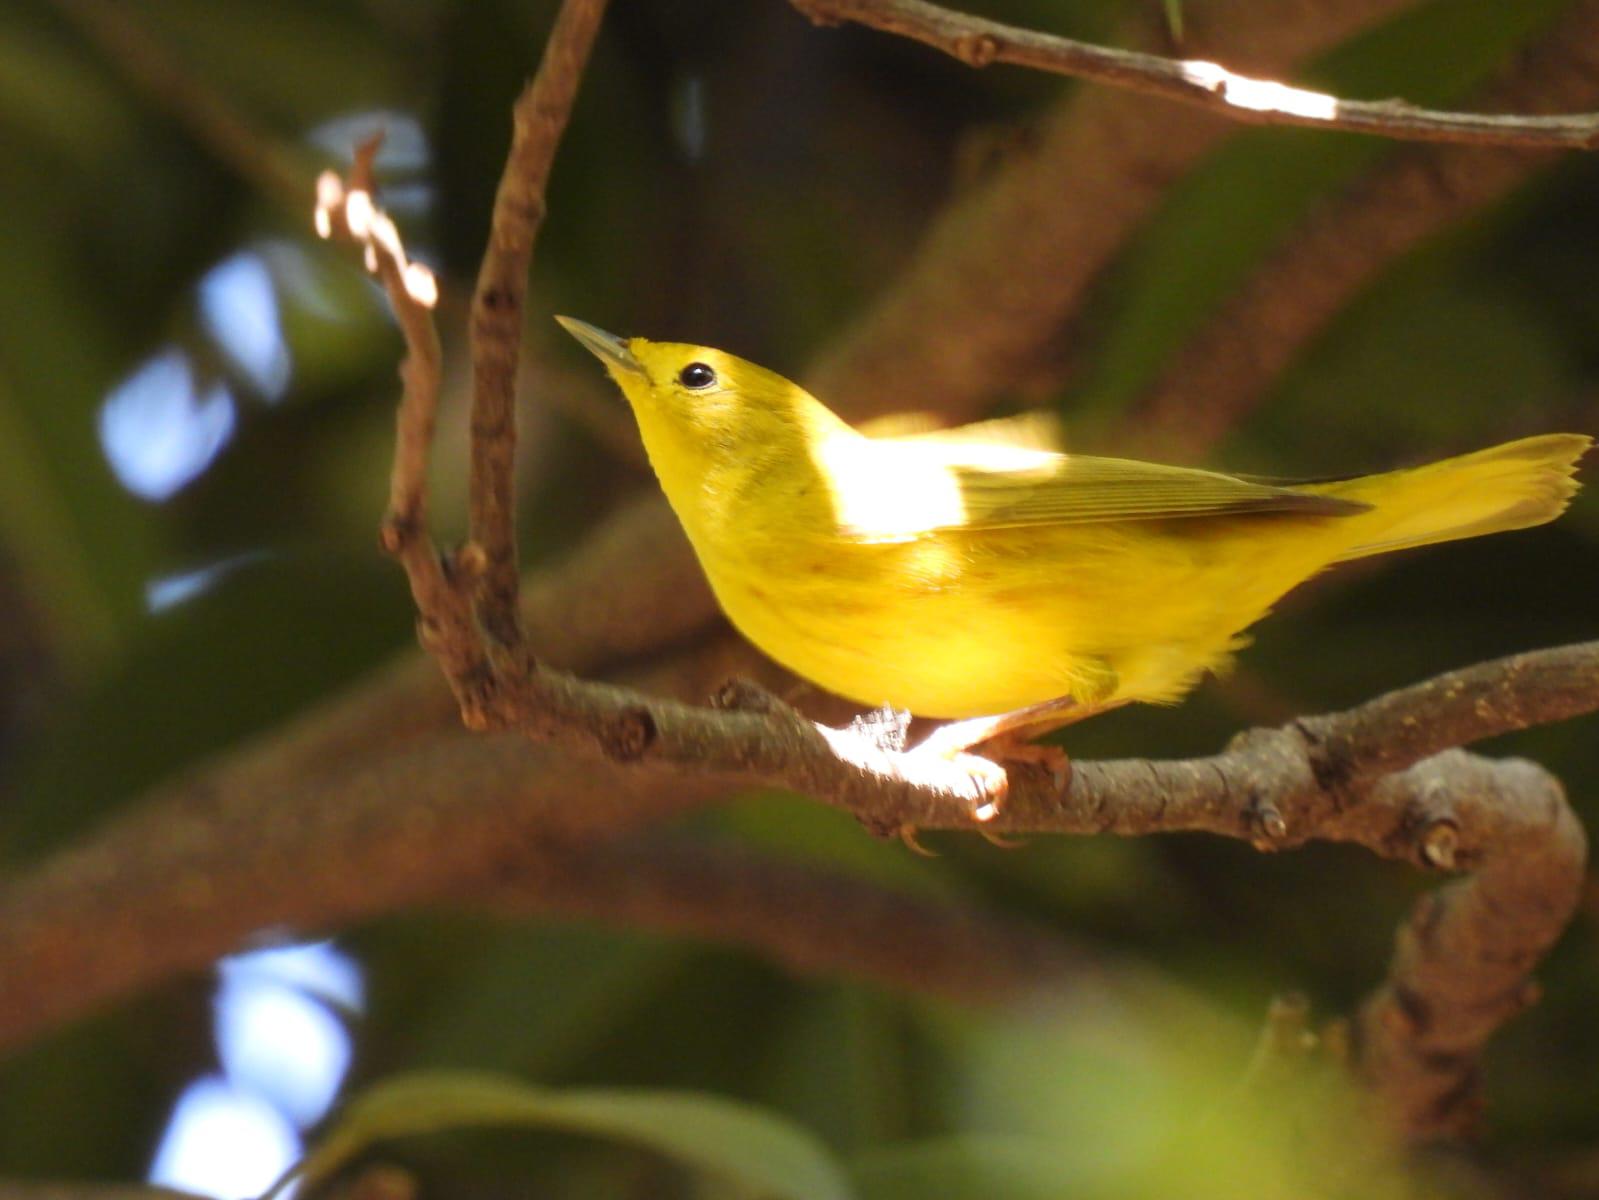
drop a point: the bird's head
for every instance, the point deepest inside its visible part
(702, 398)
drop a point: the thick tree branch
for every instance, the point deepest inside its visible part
(812, 920)
(539, 118)
(1310, 764)
(1464, 959)
(978, 42)
(1231, 363)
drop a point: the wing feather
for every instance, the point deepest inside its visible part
(1079, 489)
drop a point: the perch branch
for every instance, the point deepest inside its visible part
(539, 118)
(193, 871)
(1229, 364)
(978, 42)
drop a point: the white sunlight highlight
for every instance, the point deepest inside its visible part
(224, 1141)
(1259, 95)
(885, 491)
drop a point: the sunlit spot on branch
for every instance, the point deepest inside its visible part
(329, 200)
(358, 213)
(1259, 95)
(420, 285)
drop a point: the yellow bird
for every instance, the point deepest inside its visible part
(963, 578)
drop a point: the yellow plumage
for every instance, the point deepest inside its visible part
(961, 577)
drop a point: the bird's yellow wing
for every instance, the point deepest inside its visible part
(1078, 489)
(903, 488)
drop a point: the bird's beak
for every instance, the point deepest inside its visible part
(607, 347)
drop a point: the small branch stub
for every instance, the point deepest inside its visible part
(1440, 840)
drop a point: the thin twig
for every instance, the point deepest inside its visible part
(349, 211)
(539, 118)
(978, 42)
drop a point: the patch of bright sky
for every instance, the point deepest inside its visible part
(284, 1053)
(157, 432)
(239, 307)
(224, 1140)
(289, 1047)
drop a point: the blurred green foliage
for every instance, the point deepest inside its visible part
(735, 177)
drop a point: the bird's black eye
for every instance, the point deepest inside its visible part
(696, 375)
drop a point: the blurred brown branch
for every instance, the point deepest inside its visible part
(812, 920)
(978, 42)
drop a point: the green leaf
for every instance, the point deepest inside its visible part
(749, 1147)
(978, 1167)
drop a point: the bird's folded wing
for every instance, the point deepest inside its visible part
(1079, 489)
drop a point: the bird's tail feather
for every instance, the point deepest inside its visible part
(1512, 486)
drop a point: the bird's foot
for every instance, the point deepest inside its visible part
(989, 782)
(1009, 747)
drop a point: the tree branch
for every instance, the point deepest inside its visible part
(1231, 362)
(539, 118)
(812, 920)
(1464, 959)
(197, 868)
(978, 42)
